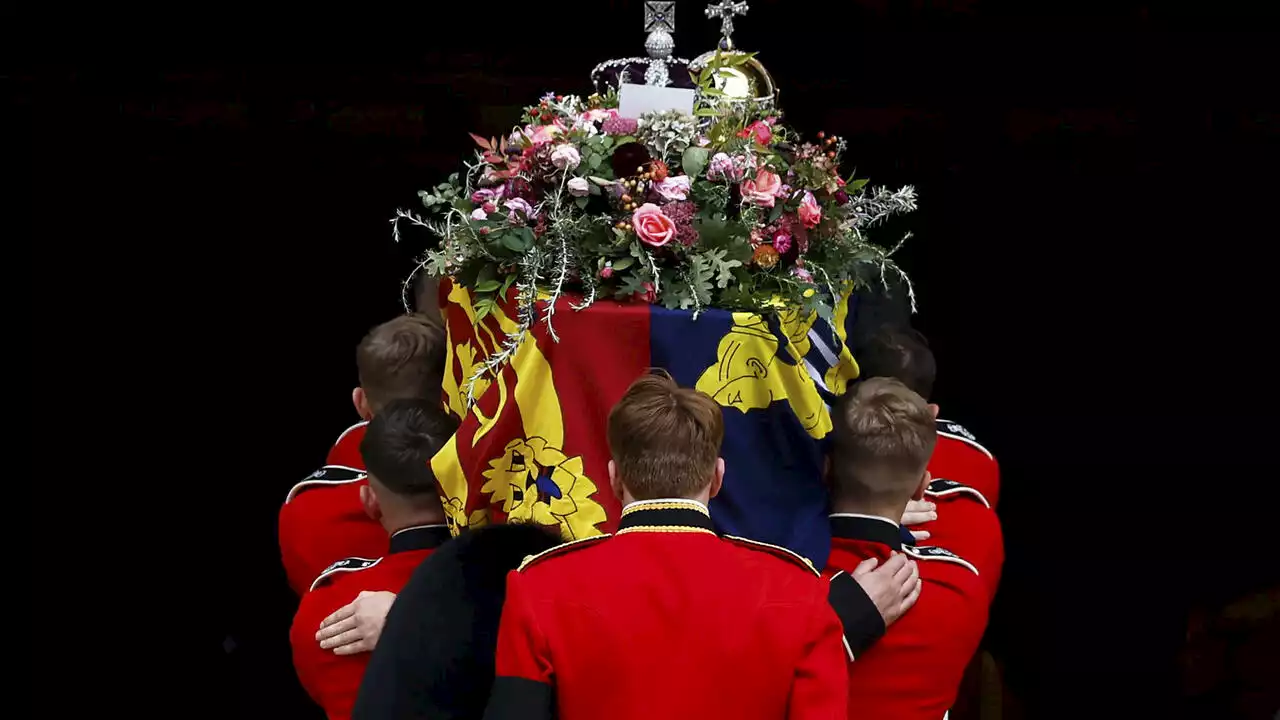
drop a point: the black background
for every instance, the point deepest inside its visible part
(211, 196)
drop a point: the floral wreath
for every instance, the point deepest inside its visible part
(726, 208)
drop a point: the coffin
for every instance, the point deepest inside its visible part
(532, 445)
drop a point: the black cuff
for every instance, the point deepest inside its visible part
(862, 622)
(516, 697)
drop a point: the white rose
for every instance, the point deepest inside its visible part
(565, 157)
(579, 187)
(479, 214)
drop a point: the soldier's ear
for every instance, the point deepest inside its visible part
(361, 401)
(924, 485)
(933, 408)
(370, 502)
(717, 481)
(615, 483)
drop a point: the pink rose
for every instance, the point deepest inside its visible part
(489, 207)
(480, 197)
(565, 157)
(599, 114)
(762, 131)
(652, 226)
(648, 295)
(542, 134)
(519, 207)
(673, 188)
(606, 272)
(762, 189)
(810, 211)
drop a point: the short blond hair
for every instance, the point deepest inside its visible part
(402, 359)
(665, 439)
(883, 437)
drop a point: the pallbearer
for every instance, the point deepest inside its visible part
(965, 478)
(401, 498)
(322, 519)
(883, 436)
(666, 619)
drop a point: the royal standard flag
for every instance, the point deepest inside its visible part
(532, 447)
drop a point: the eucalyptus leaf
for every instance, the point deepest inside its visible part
(488, 286)
(694, 161)
(581, 202)
(623, 263)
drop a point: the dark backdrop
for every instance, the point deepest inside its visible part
(210, 210)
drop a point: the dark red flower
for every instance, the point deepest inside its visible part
(627, 157)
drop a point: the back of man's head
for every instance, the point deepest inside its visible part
(883, 436)
(401, 359)
(900, 352)
(398, 446)
(665, 439)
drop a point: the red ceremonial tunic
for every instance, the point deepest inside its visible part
(959, 457)
(333, 681)
(914, 671)
(967, 526)
(346, 451)
(665, 619)
(322, 519)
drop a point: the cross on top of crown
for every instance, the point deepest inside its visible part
(659, 16)
(725, 10)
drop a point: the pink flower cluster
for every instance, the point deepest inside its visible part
(615, 125)
(681, 213)
(726, 168)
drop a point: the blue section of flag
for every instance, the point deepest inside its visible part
(773, 490)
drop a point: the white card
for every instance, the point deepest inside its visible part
(636, 100)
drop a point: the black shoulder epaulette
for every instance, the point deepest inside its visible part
(775, 550)
(933, 552)
(350, 564)
(560, 550)
(327, 475)
(942, 488)
(956, 431)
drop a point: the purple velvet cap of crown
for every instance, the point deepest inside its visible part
(612, 73)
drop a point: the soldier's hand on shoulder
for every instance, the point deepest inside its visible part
(355, 627)
(893, 587)
(919, 512)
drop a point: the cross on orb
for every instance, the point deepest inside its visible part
(725, 10)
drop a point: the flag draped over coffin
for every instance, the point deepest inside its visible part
(533, 446)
